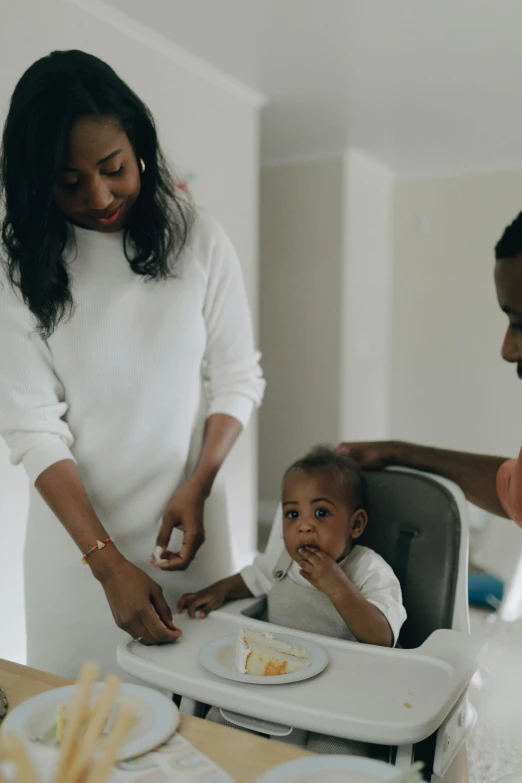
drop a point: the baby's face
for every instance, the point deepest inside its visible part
(316, 513)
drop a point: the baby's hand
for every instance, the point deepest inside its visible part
(205, 601)
(321, 570)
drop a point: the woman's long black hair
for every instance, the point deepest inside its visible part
(47, 100)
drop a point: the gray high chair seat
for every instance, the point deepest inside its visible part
(418, 524)
(415, 525)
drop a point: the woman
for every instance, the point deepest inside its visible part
(127, 362)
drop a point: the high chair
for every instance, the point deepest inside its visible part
(412, 701)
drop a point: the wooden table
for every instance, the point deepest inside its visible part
(243, 755)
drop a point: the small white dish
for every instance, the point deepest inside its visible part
(218, 657)
(157, 717)
(331, 769)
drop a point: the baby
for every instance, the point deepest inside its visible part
(321, 581)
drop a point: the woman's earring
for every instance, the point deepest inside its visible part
(142, 165)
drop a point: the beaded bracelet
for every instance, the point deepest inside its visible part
(98, 545)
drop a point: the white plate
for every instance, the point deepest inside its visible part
(157, 717)
(331, 769)
(218, 657)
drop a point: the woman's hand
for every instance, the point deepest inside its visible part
(204, 601)
(184, 511)
(137, 604)
(373, 455)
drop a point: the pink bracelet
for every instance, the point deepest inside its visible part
(98, 545)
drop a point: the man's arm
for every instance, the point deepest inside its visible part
(475, 474)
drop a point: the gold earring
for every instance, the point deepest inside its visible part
(142, 165)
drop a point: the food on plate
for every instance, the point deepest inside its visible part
(261, 654)
(60, 723)
(53, 737)
(79, 729)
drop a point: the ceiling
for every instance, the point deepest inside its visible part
(423, 86)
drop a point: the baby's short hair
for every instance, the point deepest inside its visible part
(346, 469)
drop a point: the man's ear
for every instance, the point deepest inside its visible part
(359, 522)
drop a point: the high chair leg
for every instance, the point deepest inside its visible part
(457, 772)
(452, 734)
(404, 756)
(188, 706)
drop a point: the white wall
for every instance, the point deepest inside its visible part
(447, 327)
(366, 298)
(13, 510)
(379, 318)
(449, 386)
(300, 313)
(326, 270)
(208, 126)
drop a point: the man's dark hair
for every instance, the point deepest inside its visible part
(346, 469)
(510, 243)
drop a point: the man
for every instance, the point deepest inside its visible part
(492, 483)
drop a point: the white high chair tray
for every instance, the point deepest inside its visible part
(367, 693)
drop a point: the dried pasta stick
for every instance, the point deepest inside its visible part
(100, 714)
(80, 705)
(122, 725)
(16, 753)
(3, 758)
(61, 715)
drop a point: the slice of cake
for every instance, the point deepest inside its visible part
(262, 655)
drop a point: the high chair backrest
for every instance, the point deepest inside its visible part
(416, 525)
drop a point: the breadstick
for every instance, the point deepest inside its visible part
(16, 753)
(122, 725)
(100, 714)
(3, 757)
(81, 702)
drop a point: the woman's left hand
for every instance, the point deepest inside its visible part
(184, 511)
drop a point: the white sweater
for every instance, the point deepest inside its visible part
(123, 375)
(123, 387)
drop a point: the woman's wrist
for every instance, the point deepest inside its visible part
(201, 484)
(105, 562)
(221, 432)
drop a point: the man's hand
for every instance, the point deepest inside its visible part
(185, 512)
(322, 571)
(373, 455)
